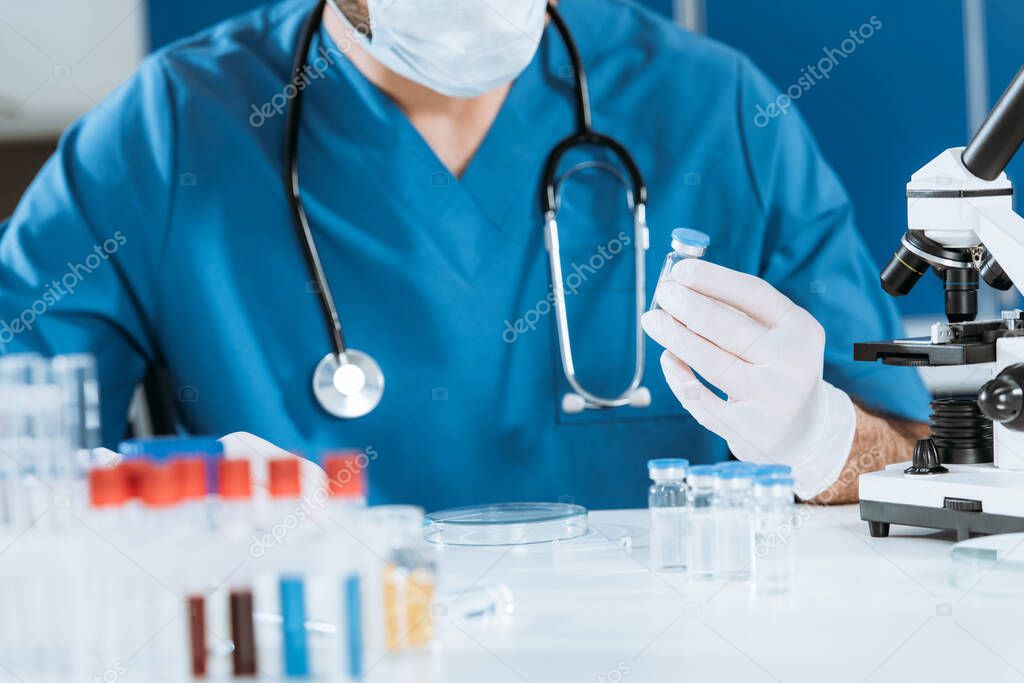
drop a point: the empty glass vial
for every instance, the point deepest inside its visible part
(701, 535)
(686, 243)
(734, 521)
(667, 502)
(773, 536)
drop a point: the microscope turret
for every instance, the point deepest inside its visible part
(961, 225)
(948, 246)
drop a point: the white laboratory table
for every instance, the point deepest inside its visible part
(862, 609)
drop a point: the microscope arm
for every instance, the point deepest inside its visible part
(985, 157)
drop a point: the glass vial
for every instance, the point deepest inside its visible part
(686, 243)
(701, 536)
(407, 574)
(734, 521)
(773, 536)
(667, 502)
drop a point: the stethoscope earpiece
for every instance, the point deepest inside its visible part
(641, 398)
(573, 403)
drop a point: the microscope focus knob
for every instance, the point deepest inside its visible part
(1002, 399)
(926, 459)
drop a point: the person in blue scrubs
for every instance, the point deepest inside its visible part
(159, 233)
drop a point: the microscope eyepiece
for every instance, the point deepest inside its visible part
(1000, 135)
(902, 272)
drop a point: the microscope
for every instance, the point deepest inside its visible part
(968, 476)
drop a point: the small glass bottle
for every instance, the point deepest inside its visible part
(686, 243)
(407, 575)
(734, 521)
(701, 535)
(667, 502)
(773, 536)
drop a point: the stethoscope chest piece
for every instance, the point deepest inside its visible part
(348, 386)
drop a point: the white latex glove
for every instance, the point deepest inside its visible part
(766, 354)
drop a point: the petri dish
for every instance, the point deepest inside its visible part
(989, 564)
(504, 524)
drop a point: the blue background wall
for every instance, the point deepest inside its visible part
(895, 103)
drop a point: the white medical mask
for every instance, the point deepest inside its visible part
(459, 48)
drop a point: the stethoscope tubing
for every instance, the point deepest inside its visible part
(584, 135)
(300, 221)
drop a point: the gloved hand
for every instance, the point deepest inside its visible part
(766, 354)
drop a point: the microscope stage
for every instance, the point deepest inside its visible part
(919, 351)
(969, 499)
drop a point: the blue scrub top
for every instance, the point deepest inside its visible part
(159, 231)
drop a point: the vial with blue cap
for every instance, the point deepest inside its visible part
(701, 534)
(734, 521)
(775, 524)
(686, 244)
(667, 502)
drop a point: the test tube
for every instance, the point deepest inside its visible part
(293, 627)
(243, 632)
(28, 410)
(191, 472)
(108, 493)
(161, 493)
(75, 375)
(346, 476)
(352, 612)
(235, 513)
(346, 486)
(196, 610)
(285, 488)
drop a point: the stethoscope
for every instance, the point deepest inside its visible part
(348, 383)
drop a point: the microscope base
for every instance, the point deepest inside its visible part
(969, 499)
